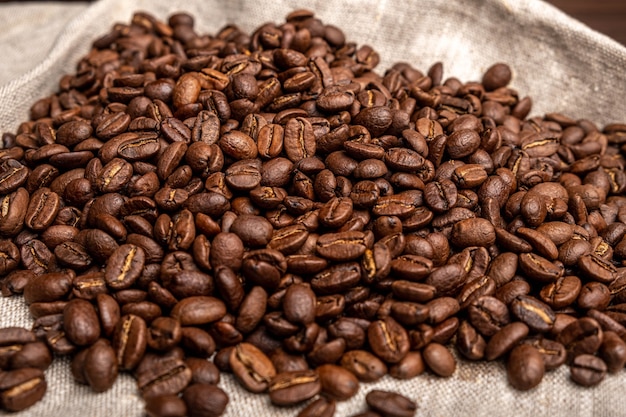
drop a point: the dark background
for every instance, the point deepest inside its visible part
(605, 16)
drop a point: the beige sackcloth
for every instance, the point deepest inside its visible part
(563, 65)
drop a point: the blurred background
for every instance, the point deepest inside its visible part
(605, 16)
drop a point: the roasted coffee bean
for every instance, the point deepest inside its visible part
(100, 367)
(158, 376)
(166, 406)
(439, 359)
(553, 353)
(290, 388)
(583, 336)
(388, 339)
(130, 341)
(205, 400)
(252, 368)
(587, 370)
(525, 368)
(505, 339)
(534, 313)
(390, 404)
(613, 351)
(21, 388)
(364, 365)
(337, 382)
(80, 322)
(409, 367)
(198, 310)
(321, 407)
(124, 266)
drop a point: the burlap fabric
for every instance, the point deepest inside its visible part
(564, 66)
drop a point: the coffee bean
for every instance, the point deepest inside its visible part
(319, 408)
(587, 370)
(100, 368)
(525, 368)
(204, 400)
(252, 368)
(21, 388)
(390, 404)
(166, 406)
(364, 365)
(439, 359)
(130, 341)
(80, 322)
(290, 388)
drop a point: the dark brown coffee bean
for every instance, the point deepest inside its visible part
(130, 341)
(337, 382)
(409, 367)
(252, 368)
(198, 310)
(613, 351)
(525, 368)
(251, 310)
(12, 217)
(390, 404)
(80, 322)
(205, 400)
(447, 280)
(162, 375)
(562, 292)
(587, 370)
(469, 342)
(124, 266)
(100, 367)
(42, 209)
(342, 246)
(290, 388)
(388, 339)
(321, 407)
(553, 353)
(505, 339)
(534, 313)
(364, 365)
(166, 406)
(473, 232)
(21, 388)
(583, 336)
(439, 359)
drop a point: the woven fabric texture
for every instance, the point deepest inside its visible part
(563, 65)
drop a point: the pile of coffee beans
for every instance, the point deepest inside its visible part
(267, 205)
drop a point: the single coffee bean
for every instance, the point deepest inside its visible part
(364, 365)
(21, 388)
(321, 407)
(290, 388)
(390, 404)
(166, 406)
(587, 370)
(100, 367)
(337, 382)
(130, 341)
(525, 367)
(205, 400)
(80, 322)
(252, 368)
(439, 359)
(163, 376)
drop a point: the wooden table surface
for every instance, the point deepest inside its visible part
(605, 16)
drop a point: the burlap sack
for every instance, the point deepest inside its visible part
(564, 66)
